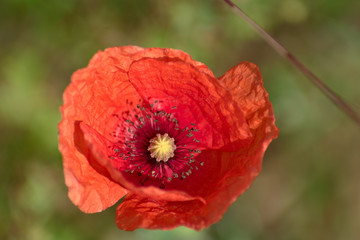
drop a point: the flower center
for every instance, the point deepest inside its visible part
(162, 147)
(145, 145)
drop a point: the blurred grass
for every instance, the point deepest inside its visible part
(309, 185)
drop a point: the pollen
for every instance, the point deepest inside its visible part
(162, 147)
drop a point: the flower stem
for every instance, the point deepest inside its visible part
(292, 59)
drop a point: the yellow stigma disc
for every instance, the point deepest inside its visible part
(162, 147)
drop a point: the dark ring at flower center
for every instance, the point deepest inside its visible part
(152, 145)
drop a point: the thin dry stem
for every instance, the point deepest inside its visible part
(291, 58)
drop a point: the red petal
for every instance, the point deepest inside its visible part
(123, 57)
(94, 93)
(89, 190)
(233, 172)
(220, 189)
(96, 151)
(224, 176)
(245, 84)
(233, 114)
(199, 99)
(139, 212)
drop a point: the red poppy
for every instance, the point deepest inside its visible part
(156, 127)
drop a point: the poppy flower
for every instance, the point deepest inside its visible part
(156, 128)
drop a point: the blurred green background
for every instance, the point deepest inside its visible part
(309, 186)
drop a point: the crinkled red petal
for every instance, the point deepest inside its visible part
(94, 94)
(233, 113)
(139, 212)
(198, 98)
(225, 175)
(91, 97)
(96, 149)
(123, 57)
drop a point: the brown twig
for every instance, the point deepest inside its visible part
(291, 58)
